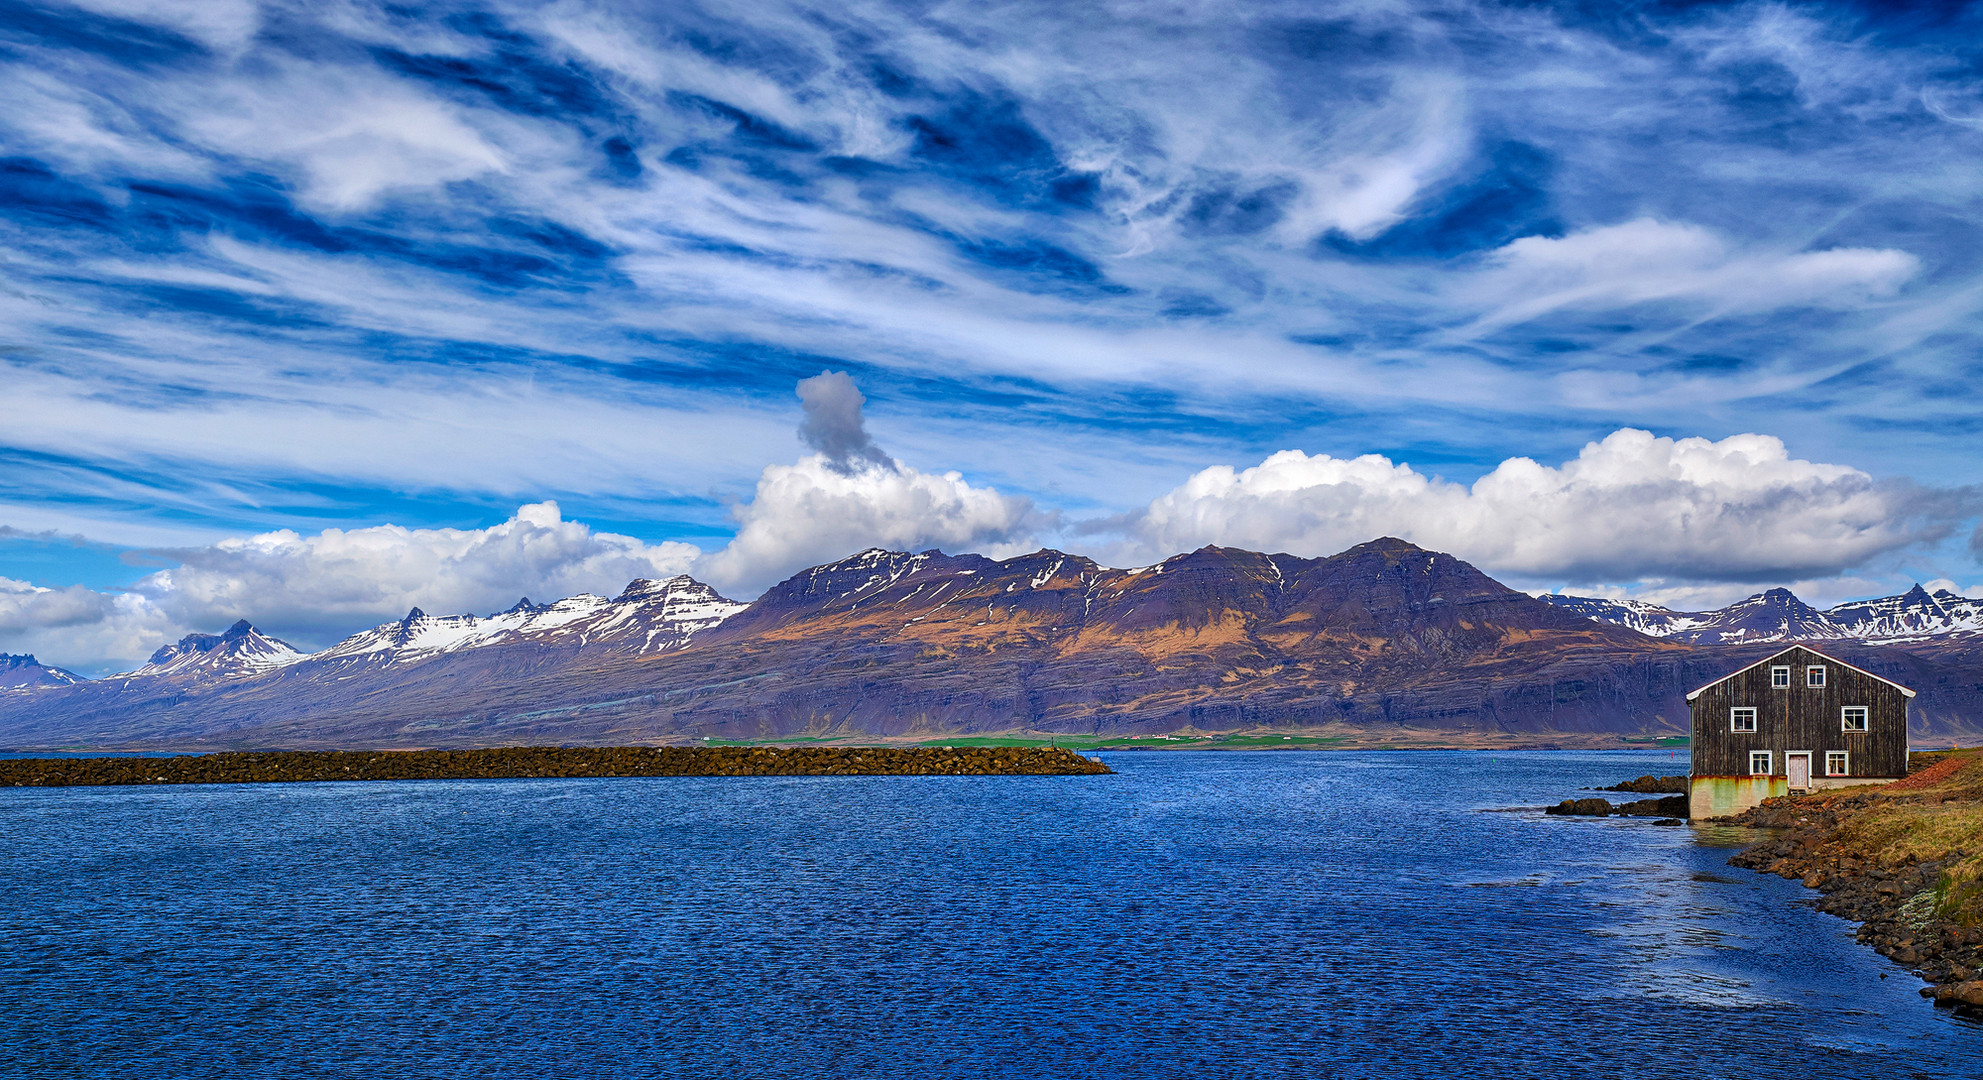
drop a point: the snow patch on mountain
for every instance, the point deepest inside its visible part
(649, 616)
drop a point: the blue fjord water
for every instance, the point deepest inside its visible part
(1198, 915)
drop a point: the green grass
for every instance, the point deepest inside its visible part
(1091, 742)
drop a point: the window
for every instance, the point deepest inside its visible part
(1814, 675)
(1780, 678)
(1741, 719)
(1836, 762)
(1855, 718)
(1759, 763)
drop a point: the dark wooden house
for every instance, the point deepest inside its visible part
(1797, 721)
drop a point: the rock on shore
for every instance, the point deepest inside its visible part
(1651, 785)
(1671, 806)
(1905, 860)
(539, 762)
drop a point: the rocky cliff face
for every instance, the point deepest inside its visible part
(24, 672)
(1381, 637)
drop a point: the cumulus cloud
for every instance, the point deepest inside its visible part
(833, 425)
(1631, 507)
(847, 495)
(325, 583)
(24, 606)
(851, 495)
(1644, 261)
(78, 627)
(315, 589)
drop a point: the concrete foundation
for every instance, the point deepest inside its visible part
(1726, 796)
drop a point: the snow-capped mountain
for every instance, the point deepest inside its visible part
(1911, 616)
(1778, 615)
(24, 672)
(925, 644)
(240, 650)
(650, 616)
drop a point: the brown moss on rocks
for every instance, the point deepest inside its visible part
(540, 762)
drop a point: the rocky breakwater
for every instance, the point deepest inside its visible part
(1904, 860)
(1671, 810)
(542, 762)
(1651, 785)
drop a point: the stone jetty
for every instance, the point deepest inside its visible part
(544, 762)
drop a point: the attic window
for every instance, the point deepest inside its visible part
(1814, 675)
(1855, 718)
(1759, 763)
(1743, 719)
(1836, 762)
(1780, 678)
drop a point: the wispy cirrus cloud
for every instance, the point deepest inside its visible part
(269, 265)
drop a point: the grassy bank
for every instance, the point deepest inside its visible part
(1905, 859)
(542, 762)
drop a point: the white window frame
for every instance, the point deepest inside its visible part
(1780, 678)
(1844, 762)
(1769, 763)
(1865, 719)
(1814, 676)
(1736, 716)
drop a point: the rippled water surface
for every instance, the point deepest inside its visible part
(1198, 915)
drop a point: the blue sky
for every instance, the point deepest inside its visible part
(301, 267)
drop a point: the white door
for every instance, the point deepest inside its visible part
(1799, 768)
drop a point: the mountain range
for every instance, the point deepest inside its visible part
(1378, 641)
(1914, 617)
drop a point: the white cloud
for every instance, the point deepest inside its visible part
(1684, 522)
(78, 627)
(223, 24)
(339, 577)
(353, 137)
(315, 589)
(24, 605)
(815, 511)
(851, 495)
(1628, 508)
(1645, 261)
(1973, 592)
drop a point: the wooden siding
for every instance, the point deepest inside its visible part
(1800, 718)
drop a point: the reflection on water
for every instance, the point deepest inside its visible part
(1200, 914)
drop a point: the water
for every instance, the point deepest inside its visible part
(1199, 915)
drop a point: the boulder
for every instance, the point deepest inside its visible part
(1581, 808)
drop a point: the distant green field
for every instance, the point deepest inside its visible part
(1094, 742)
(1148, 742)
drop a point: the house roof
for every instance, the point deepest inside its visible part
(1697, 692)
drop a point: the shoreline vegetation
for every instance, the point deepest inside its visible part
(543, 762)
(1905, 860)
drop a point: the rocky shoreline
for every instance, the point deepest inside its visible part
(541, 762)
(1904, 860)
(1670, 810)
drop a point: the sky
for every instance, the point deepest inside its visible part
(311, 313)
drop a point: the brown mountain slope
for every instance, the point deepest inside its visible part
(892, 644)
